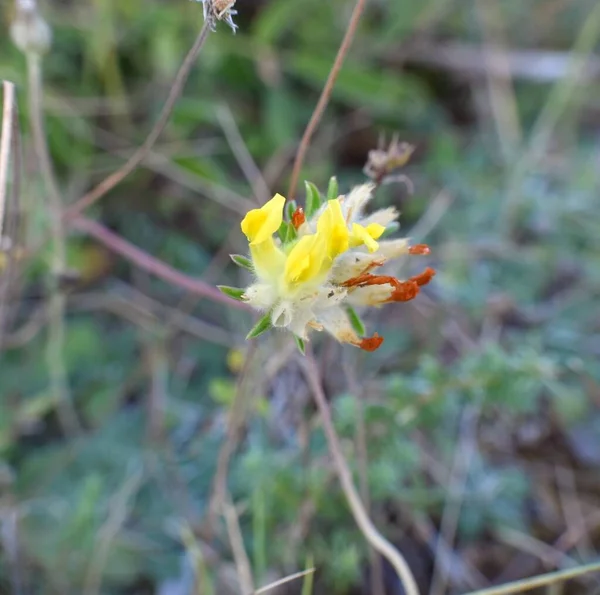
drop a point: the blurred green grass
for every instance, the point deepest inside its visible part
(510, 327)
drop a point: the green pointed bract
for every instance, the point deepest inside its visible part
(283, 230)
(333, 190)
(291, 235)
(262, 326)
(356, 322)
(290, 209)
(287, 232)
(235, 293)
(313, 199)
(242, 261)
(300, 345)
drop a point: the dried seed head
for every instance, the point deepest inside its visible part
(29, 31)
(382, 162)
(219, 10)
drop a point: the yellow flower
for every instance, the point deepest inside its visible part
(308, 281)
(366, 235)
(332, 226)
(304, 263)
(258, 226)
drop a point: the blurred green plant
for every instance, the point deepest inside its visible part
(510, 328)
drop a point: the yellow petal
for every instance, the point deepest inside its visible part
(366, 235)
(260, 224)
(332, 226)
(305, 260)
(267, 258)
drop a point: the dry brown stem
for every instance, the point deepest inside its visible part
(325, 96)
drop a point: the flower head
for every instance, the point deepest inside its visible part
(219, 10)
(321, 265)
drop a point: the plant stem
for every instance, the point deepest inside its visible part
(57, 305)
(153, 265)
(8, 125)
(118, 176)
(538, 581)
(325, 95)
(372, 535)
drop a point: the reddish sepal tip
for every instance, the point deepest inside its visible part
(419, 250)
(424, 278)
(298, 217)
(370, 343)
(404, 291)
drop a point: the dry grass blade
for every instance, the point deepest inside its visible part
(284, 580)
(539, 581)
(8, 118)
(236, 540)
(10, 155)
(242, 154)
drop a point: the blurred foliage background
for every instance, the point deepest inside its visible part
(474, 432)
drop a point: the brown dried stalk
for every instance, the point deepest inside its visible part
(8, 119)
(153, 265)
(325, 96)
(372, 535)
(118, 176)
(57, 305)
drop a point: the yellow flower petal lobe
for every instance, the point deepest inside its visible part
(332, 226)
(305, 260)
(366, 235)
(260, 224)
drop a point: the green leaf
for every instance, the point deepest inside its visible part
(283, 230)
(262, 326)
(291, 234)
(290, 209)
(233, 292)
(242, 261)
(300, 345)
(333, 190)
(355, 321)
(287, 232)
(313, 199)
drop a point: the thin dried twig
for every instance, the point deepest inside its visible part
(539, 581)
(118, 512)
(572, 511)
(500, 88)
(57, 305)
(10, 542)
(10, 161)
(372, 535)
(235, 420)
(284, 580)
(325, 95)
(242, 154)
(129, 166)
(8, 119)
(361, 440)
(463, 458)
(236, 540)
(154, 266)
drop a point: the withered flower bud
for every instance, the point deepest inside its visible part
(29, 31)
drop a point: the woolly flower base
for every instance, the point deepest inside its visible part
(319, 267)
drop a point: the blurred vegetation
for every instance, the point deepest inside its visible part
(480, 411)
